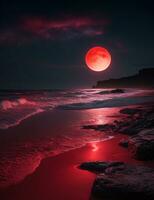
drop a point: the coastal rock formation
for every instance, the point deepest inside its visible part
(142, 145)
(141, 80)
(117, 180)
(138, 119)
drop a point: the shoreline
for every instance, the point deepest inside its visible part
(41, 136)
(122, 180)
(148, 99)
(50, 172)
(58, 176)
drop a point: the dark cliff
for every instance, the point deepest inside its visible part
(144, 79)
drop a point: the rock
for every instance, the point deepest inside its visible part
(130, 111)
(98, 166)
(142, 145)
(117, 180)
(132, 127)
(101, 127)
(115, 91)
(124, 143)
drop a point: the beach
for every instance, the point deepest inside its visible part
(60, 178)
(40, 156)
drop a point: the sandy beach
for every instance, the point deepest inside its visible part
(60, 178)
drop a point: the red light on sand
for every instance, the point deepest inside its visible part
(94, 147)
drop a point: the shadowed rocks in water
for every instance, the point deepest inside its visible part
(99, 166)
(101, 127)
(117, 180)
(130, 111)
(115, 91)
(124, 143)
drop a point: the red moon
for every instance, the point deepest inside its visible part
(98, 59)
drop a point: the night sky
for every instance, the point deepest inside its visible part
(43, 43)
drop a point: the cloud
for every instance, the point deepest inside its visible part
(31, 28)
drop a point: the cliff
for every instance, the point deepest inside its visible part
(144, 79)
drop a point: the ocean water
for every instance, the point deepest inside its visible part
(53, 124)
(16, 106)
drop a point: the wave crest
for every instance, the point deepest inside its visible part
(9, 104)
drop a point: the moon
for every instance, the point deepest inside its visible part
(98, 59)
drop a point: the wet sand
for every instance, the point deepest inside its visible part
(59, 178)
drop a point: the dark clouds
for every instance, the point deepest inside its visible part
(39, 27)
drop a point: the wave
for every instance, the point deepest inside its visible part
(9, 104)
(117, 102)
(17, 119)
(14, 111)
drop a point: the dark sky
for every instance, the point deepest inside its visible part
(43, 43)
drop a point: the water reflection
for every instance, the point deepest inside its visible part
(94, 146)
(98, 116)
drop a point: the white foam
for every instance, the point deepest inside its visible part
(9, 104)
(16, 121)
(112, 102)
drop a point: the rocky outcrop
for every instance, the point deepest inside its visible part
(141, 145)
(117, 180)
(101, 127)
(99, 166)
(124, 143)
(115, 91)
(136, 121)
